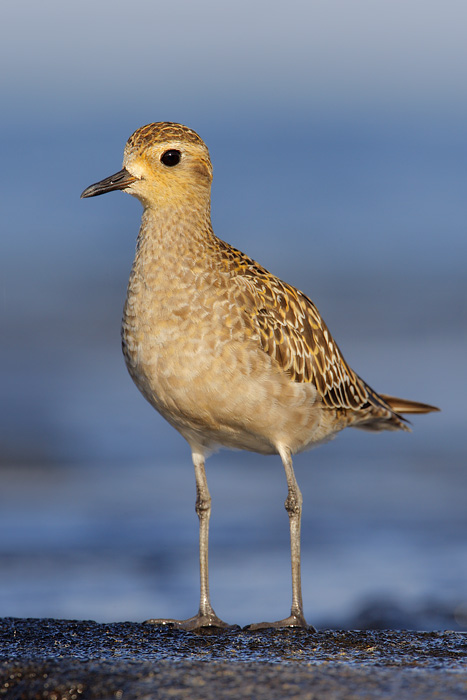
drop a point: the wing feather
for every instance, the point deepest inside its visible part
(291, 331)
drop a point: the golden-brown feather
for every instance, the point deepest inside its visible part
(292, 332)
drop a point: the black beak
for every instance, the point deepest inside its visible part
(119, 181)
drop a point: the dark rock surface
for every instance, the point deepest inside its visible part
(58, 659)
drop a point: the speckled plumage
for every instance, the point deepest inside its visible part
(224, 350)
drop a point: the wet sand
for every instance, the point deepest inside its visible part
(61, 659)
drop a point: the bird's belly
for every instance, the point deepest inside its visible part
(220, 391)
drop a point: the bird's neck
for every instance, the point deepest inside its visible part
(172, 244)
(180, 232)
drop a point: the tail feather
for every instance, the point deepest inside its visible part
(405, 406)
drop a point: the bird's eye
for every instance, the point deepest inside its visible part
(171, 158)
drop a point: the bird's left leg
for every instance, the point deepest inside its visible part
(206, 617)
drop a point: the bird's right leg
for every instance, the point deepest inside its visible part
(293, 506)
(206, 617)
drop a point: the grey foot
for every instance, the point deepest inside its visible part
(291, 622)
(195, 623)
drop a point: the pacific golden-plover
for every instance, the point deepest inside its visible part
(228, 353)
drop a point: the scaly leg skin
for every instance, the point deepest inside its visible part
(293, 506)
(206, 617)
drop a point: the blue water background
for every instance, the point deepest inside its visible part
(356, 197)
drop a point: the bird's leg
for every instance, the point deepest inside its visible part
(293, 506)
(206, 617)
(206, 614)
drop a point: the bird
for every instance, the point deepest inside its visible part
(230, 355)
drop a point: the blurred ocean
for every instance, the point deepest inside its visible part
(339, 164)
(97, 517)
